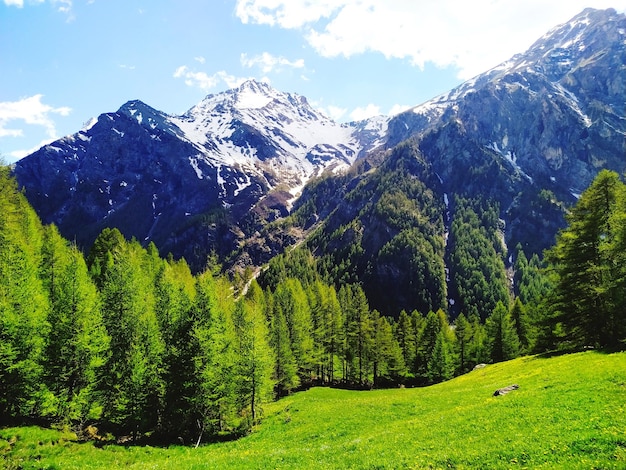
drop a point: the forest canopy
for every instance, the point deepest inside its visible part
(141, 346)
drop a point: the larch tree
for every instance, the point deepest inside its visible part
(133, 387)
(405, 336)
(23, 303)
(78, 345)
(293, 303)
(587, 262)
(254, 359)
(285, 366)
(463, 331)
(215, 360)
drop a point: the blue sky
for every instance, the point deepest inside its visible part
(63, 62)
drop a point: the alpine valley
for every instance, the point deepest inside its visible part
(250, 172)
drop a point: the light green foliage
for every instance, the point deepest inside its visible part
(254, 359)
(387, 359)
(292, 302)
(358, 334)
(285, 366)
(327, 318)
(154, 351)
(437, 341)
(406, 338)
(530, 280)
(175, 296)
(133, 388)
(523, 327)
(78, 346)
(214, 375)
(463, 332)
(23, 303)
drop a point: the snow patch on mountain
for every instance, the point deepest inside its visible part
(254, 123)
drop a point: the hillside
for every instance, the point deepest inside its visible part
(567, 413)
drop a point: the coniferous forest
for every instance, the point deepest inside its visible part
(135, 343)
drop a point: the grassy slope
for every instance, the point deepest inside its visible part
(569, 412)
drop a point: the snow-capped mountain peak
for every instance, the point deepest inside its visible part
(253, 95)
(256, 127)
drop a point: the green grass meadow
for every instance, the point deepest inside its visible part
(569, 412)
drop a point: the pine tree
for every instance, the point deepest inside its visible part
(588, 298)
(463, 331)
(503, 340)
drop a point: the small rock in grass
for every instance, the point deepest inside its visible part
(505, 390)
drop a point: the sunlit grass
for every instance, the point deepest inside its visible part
(569, 412)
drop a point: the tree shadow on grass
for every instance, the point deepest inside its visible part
(574, 350)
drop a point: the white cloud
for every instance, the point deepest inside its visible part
(471, 36)
(16, 155)
(269, 63)
(368, 111)
(333, 112)
(204, 81)
(200, 59)
(30, 111)
(286, 14)
(398, 108)
(63, 6)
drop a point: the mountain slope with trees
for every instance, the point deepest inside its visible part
(142, 346)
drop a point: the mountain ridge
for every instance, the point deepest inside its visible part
(529, 134)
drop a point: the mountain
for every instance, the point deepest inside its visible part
(191, 182)
(509, 150)
(554, 115)
(402, 205)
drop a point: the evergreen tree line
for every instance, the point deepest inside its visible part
(140, 345)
